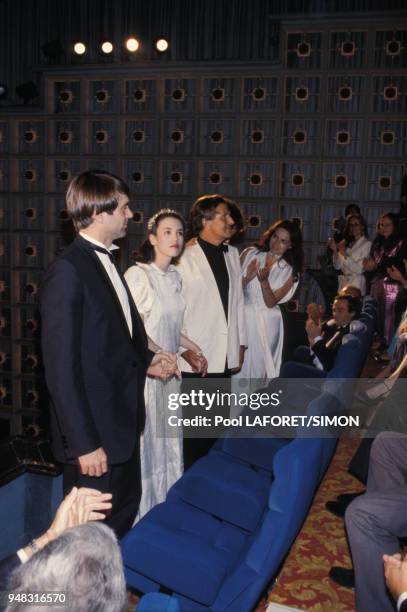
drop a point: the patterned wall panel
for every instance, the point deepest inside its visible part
(103, 97)
(372, 214)
(26, 286)
(302, 94)
(216, 177)
(31, 137)
(260, 94)
(28, 250)
(177, 136)
(390, 48)
(256, 179)
(65, 137)
(58, 219)
(347, 50)
(219, 94)
(176, 177)
(217, 137)
(304, 50)
(4, 137)
(140, 175)
(384, 182)
(30, 175)
(258, 217)
(345, 93)
(306, 213)
(180, 95)
(387, 139)
(390, 94)
(341, 181)
(299, 180)
(102, 138)
(301, 137)
(28, 214)
(343, 138)
(140, 96)
(4, 175)
(64, 97)
(257, 137)
(140, 136)
(328, 214)
(5, 212)
(60, 172)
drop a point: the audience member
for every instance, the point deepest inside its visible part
(79, 506)
(270, 273)
(387, 252)
(376, 520)
(84, 563)
(349, 254)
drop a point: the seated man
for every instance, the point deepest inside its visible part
(376, 520)
(324, 340)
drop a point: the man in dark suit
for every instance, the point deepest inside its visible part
(95, 351)
(324, 340)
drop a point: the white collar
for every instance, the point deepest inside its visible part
(113, 247)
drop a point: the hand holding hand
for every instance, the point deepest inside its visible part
(164, 365)
(94, 463)
(197, 362)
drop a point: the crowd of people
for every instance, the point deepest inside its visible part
(190, 306)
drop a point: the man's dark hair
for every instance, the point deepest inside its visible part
(204, 208)
(354, 304)
(93, 191)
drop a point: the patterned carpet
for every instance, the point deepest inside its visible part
(303, 582)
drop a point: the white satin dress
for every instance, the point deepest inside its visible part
(265, 329)
(159, 300)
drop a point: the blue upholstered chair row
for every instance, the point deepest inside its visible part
(229, 522)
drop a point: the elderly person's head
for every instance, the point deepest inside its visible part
(84, 563)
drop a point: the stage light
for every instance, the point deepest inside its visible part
(79, 48)
(106, 47)
(3, 91)
(132, 44)
(161, 45)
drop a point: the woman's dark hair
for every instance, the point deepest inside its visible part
(380, 241)
(146, 252)
(294, 256)
(238, 221)
(349, 239)
(352, 209)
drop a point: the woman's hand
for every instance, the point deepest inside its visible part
(332, 245)
(342, 247)
(263, 274)
(369, 264)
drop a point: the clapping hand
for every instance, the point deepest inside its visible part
(263, 274)
(80, 506)
(332, 245)
(395, 274)
(315, 312)
(313, 330)
(369, 264)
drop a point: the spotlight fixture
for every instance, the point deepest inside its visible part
(106, 47)
(3, 91)
(161, 45)
(132, 45)
(27, 91)
(79, 48)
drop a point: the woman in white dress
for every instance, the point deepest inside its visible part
(270, 274)
(155, 285)
(349, 254)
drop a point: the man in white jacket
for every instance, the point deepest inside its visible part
(212, 288)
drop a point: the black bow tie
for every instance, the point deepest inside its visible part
(99, 249)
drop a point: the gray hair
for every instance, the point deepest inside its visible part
(84, 562)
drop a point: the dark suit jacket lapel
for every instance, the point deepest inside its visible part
(138, 327)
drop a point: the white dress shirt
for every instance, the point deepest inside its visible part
(114, 277)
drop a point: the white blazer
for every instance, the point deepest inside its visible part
(204, 319)
(351, 264)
